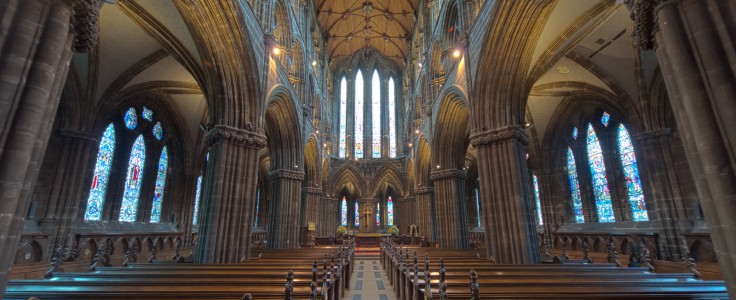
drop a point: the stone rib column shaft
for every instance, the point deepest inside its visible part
(451, 220)
(228, 196)
(505, 187)
(31, 78)
(696, 52)
(424, 212)
(285, 207)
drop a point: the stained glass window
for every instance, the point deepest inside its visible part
(129, 206)
(258, 203)
(477, 206)
(605, 119)
(344, 212)
(376, 114)
(575, 133)
(378, 214)
(158, 131)
(391, 118)
(631, 172)
(196, 199)
(357, 215)
(158, 194)
(131, 118)
(358, 136)
(572, 175)
(536, 198)
(147, 114)
(600, 182)
(390, 211)
(100, 175)
(343, 117)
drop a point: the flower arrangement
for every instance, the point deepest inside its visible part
(341, 230)
(393, 230)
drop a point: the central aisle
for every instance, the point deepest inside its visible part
(369, 281)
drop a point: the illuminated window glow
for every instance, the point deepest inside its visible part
(631, 172)
(600, 182)
(378, 214)
(101, 174)
(343, 117)
(344, 212)
(358, 136)
(537, 200)
(376, 114)
(147, 114)
(605, 119)
(131, 118)
(158, 131)
(129, 206)
(390, 211)
(158, 194)
(196, 199)
(572, 175)
(357, 215)
(391, 118)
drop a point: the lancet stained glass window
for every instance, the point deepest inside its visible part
(258, 203)
(605, 118)
(131, 118)
(536, 198)
(378, 214)
(600, 182)
(575, 133)
(343, 118)
(147, 114)
(101, 174)
(129, 205)
(391, 118)
(376, 114)
(158, 131)
(196, 199)
(358, 136)
(357, 215)
(158, 194)
(390, 211)
(344, 212)
(572, 175)
(477, 206)
(631, 172)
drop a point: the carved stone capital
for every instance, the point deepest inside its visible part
(84, 22)
(500, 135)
(79, 135)
(645, 24)
(312, 190)
(423, 190)
(242, 137)
(654, 135)
(447, 173)
(285, 174)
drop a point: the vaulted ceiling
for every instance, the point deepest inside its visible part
(351, 26)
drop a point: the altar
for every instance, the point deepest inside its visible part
(368, 243)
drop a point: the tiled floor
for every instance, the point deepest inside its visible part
(369, 281)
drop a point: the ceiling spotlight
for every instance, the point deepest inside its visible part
(419, 64)
(324, 145)
(410, 144)
(276, 50)
(314, 62)
(416, 131)
(456, 53)
(438, 167)
(317, 132)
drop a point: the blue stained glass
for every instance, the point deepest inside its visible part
(131, 118)
(575, 133)
(605, 119)
(378, 215)
(376, 114)
(147, 114)
(158, 194)
(258, 202)
(600, 182)
(344, 212)
(390, 211)
(196, 199)
(357, 215)
(343, 117)
(358, 136)
(477, 206)
(129, 206)
(572, 174)
(631, 172)
(391, 118)
(158, 131)
(536, 199)
(100, 176)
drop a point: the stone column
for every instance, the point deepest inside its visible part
(424, 212)
(550, 193)
(228, 195)
(184, 208)
(404, 214)
(70, 188)
(313, 213)
(285, 207)
(36, 43)
(329, 217)
(451, 220)
(695, 44)
(506, 195)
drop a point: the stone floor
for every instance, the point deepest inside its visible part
(369, 281)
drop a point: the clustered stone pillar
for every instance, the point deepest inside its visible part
(313, 213)
(695, 47)
(405, 215)
(424, 212)
(450, 216)
(69, 188)
(37, 41)
(506, 195)
(285, 207)
(329, 218)
(228, 195)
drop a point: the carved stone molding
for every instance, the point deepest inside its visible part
(242, 137)
(84, 22)
(79, 135)
(312, 190)
(645, 23)
(423, 190)
(654, 135)
(500, 135)
(286, 174)
(447, 173)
